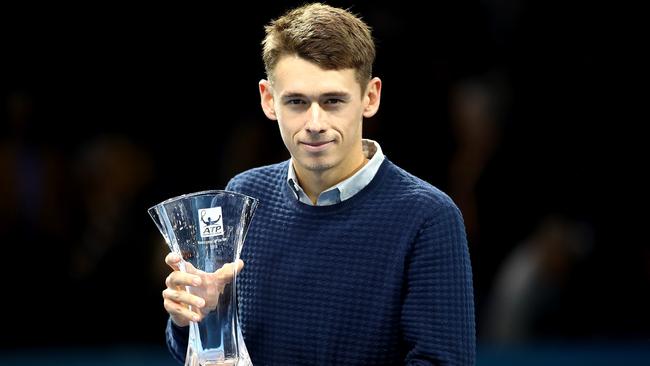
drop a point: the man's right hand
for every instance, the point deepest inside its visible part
(183, 306)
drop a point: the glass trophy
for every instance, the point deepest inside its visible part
(207, 229)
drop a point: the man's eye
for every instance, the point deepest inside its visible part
(334, 101)
(295, 101)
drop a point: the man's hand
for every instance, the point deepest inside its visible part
(184, 306)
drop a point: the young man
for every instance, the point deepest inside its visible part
(350, 260)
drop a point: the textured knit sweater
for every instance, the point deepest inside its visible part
(382, 278)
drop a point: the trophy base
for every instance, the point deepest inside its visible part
(193, 359)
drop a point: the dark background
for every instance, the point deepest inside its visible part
(108, 110)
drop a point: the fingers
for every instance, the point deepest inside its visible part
(173, 260)
(177, 300)
(180, 313)
(179, 279)
(184, 306)
(189, 268)
(183, 298)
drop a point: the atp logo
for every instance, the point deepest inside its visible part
(211, 222)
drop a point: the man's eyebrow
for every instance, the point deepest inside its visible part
(338, 94)
(292, 95)
(334, 94)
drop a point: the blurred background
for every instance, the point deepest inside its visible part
(505, 105)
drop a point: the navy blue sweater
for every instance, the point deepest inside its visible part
(383, 278)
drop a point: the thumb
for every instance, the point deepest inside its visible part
(227, 270)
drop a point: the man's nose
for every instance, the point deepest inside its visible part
(315, 123)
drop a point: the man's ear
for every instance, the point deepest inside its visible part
(372, 97)
(266, 99)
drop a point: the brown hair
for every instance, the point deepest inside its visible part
(332, 38)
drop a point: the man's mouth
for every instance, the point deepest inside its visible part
(316, 146)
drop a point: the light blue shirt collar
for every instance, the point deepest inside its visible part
(344, 189)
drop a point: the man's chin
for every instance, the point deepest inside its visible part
(316, 166)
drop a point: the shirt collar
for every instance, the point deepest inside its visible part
(346, 188)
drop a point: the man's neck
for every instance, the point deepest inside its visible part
(316, 182)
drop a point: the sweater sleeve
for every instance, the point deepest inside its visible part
(177, 340)
(438, 309)
(232, 185)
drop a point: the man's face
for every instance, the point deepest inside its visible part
(320, 115)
